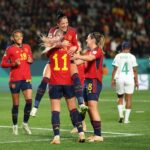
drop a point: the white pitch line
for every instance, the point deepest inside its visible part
(25, 141)
(102, 100)
(139, 111)
(113, 135)
(137, 101)
(46, 140)
(66, 130)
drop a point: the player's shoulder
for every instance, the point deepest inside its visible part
(71, 29)
(52, 29)
(131, 55)
(97, 51)
(26, 46)
(10, 48)
(118, 55)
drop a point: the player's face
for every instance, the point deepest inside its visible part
(89, 40)
(18, 38)
(63, 24)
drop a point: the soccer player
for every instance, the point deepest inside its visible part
(18, 57)
(93, 80)
(70, 38)
(60, 85)
(124, 77)
(81, 67)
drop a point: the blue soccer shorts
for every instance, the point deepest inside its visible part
(92, 89)
(59, 91)
(16, 86)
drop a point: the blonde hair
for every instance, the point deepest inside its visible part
(48, 42)
(99, 38)
(101, 41)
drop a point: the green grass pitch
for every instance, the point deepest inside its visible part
(133, 136)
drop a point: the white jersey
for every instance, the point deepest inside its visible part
(124, 63)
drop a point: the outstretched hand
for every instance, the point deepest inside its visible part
(65, 43)
(30, 60)
(72, 50)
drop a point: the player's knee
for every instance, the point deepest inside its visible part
(45, 80)
(29, 101)
(120, 95)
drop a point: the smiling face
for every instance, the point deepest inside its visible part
(63, 24)
(17, 38)
(90, 41)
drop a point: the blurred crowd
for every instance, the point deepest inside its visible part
(118, 20)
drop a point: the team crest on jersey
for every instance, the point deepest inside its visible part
(69, 37)
(25, 49)
(94, 52)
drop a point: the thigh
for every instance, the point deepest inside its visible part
(15, 87)
(71, 103)
(120, 86)
(26, 89)
(26, 85)
(27, 94)
(73, 68)
(129, 86)
(55, 104)
(47, 71)
(15, 90)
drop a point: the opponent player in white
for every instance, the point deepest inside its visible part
(125, 78)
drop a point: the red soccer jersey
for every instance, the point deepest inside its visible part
(93, 69)
(60, 67)
(70, 35)
(21, 72)
(81, 68)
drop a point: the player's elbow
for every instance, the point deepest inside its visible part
(3, 66)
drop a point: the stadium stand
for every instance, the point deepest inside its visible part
(118, 20)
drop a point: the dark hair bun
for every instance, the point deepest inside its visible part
(60, 14)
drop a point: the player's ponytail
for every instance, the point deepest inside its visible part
(60, 14)
(101, 41)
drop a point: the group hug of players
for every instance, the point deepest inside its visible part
(71, 73)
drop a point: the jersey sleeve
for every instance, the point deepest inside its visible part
(115, 61)
(97, 53)
(29, 51)
(6, 61)
(134, 62)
